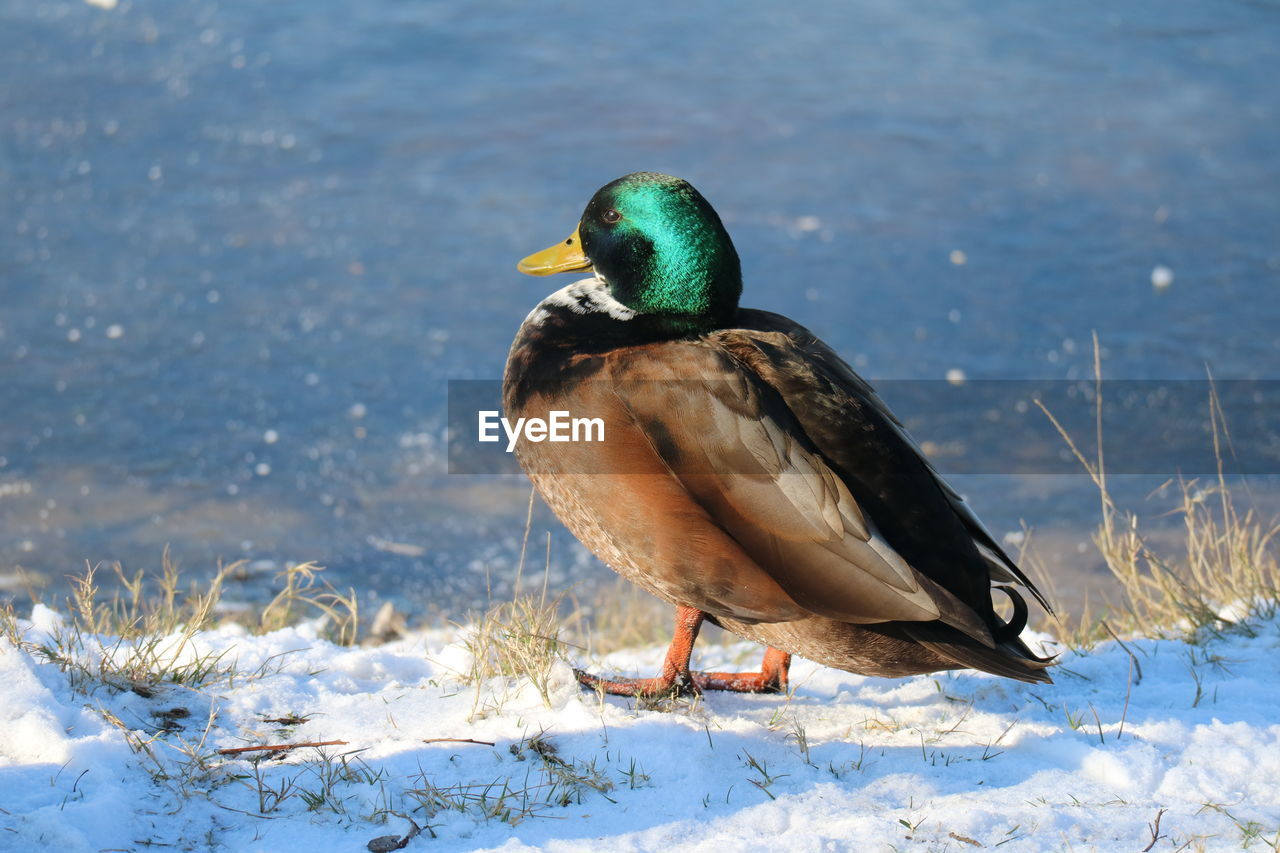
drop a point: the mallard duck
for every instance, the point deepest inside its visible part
(747, 475)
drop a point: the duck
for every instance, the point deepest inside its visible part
(746, 474)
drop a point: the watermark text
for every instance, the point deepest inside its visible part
(559, 425)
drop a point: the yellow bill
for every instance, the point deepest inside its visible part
(562, 257)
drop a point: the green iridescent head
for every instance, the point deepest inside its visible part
(659, 245)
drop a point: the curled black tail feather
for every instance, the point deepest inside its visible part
(1011, 629)
(1009, 657)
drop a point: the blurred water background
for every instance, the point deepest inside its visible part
(244, 246)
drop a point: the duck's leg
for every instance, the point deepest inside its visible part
(676, 677)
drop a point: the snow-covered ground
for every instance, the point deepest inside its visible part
(1186, 734)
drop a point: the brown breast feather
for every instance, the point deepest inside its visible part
(620, 498)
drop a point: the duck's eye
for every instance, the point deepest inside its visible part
(611, 216)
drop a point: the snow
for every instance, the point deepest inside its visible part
(954, 761)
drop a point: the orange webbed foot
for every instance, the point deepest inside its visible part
(644, 688)
(772, 678)
(678, 680)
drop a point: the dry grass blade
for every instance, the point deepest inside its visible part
(1226, 558)
(458, 740)
(516, 639)
(620, 616)
(143, 634)
(305, 590)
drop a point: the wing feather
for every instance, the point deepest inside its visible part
(741, 455)
(837, 408)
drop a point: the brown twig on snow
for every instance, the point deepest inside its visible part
(457, 740)
(280, 747)
(1155, 831)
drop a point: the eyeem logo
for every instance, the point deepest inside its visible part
(1163, 427)
(559, 426)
